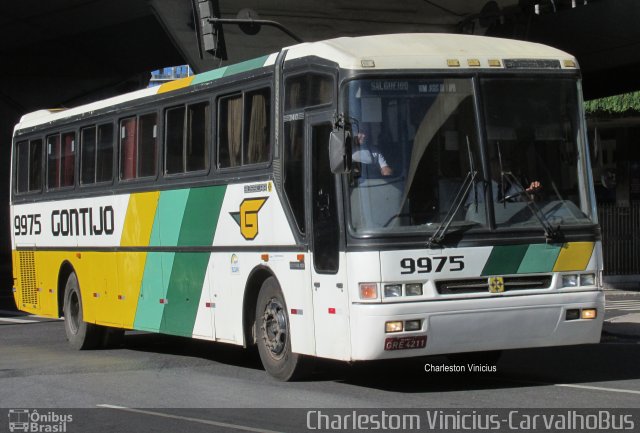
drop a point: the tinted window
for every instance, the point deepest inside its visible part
(96, 154)
(244, 132)
(138, 144)
(29, 166)
(187, 138)
(308, 90)
(60, 160)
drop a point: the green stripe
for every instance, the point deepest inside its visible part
(198, 228)
(168, 219)
(185, 288)
(245, 66)
(505, 260)
(201, 216)
(209, 76)
(539, 258)
(154, 287)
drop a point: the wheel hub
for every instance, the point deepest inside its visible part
(274, 328)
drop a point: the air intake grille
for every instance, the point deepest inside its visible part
(481, 285)
(28, 278)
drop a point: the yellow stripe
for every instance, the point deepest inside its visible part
(139, 219)
(574, 256)
(175, 85)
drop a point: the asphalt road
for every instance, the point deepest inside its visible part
(173, 382)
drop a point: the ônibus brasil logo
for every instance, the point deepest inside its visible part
(32, 421)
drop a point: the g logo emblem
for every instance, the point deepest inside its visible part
(247, 218)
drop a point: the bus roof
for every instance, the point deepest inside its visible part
(424, 51)
(379, 52)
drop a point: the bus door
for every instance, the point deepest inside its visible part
(330, 298)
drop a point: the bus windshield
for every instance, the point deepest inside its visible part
(416, 146)
(534, 139)
(415, 140)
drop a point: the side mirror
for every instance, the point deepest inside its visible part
(340, 151)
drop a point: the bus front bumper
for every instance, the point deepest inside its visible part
(469, 325)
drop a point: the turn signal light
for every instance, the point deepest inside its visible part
(368, 291)
(589, 313)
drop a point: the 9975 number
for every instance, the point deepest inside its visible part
(27, 225)
(425, 265)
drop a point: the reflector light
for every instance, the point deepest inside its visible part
(393, 326)
(265, 257)
(332, 310)
(589, 313)
(368, 290)
(300, 257)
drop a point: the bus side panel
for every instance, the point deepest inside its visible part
(102, 298)
(130, 269)
(252, 217)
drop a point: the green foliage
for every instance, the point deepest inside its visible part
(628, 103)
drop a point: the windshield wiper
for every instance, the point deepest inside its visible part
(550, 232)
(438, 236)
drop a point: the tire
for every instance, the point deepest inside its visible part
(81, 335)
(273, 337)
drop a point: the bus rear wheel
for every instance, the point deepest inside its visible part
(273, 335)
(81, 335)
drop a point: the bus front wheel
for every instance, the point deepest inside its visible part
(273, 335)
(81, 335)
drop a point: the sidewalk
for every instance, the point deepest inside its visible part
(628, 325)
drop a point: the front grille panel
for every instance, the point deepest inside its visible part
(481, 285)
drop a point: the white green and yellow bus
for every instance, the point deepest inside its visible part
(329, 200)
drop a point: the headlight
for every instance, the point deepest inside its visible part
(392, 291)
(588, 279)
(413, 289)
(569, 280)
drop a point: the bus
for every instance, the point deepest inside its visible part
(354, 199)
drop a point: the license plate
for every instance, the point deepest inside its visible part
(403, 343)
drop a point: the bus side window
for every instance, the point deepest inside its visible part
(29, 166)
(60, 160)
(128, 148)
(187, 152)
(138, 146)
(230, 131)
(244, 128)
(147, 144)
(198, 135)
(257, 133)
